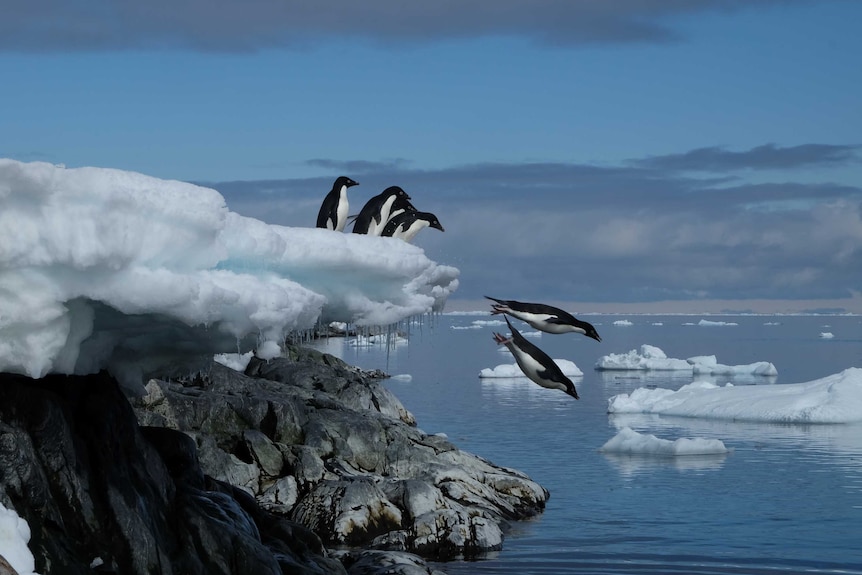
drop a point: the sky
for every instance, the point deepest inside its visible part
(636, 155)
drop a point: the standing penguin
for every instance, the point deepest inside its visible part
(535, 363)
(333, 210)
(407, 224)
(377, 211)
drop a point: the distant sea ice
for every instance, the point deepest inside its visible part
(651, 358)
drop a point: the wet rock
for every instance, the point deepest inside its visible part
(97, 489)
(328, 446)
(385, 563)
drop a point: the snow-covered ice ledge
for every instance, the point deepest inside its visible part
(103, 268)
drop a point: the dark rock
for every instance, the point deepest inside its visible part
(351, 465)
(231, 473)
(92, 485)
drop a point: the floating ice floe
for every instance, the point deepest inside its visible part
(712, 323)
(630, 442)
(833, 399)
(652, 358)
(826, 335)
(623, 322)
(512, 370)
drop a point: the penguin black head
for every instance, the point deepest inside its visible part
(433, 221)
(396, 191)
(590, 331)
(344, 181)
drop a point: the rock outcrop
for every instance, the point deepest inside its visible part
(318, 441)
(302, 465)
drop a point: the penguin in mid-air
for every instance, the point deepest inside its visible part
(377, 211)
(535, 363)
(333, 210)
(407, 224)
(543, 317)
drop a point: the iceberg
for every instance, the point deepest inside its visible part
(833, 399)
(651, 358)
(630, 442)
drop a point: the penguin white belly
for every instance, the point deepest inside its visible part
(411, 231)
(376, 228)
(540, 322)
(532, 368)
(341, 210)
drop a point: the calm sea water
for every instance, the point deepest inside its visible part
(787, 499)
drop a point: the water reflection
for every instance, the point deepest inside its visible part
(844, 439)
(521, 391)
(630, 466)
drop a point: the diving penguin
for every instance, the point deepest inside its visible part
(535, 363)
(543, 317)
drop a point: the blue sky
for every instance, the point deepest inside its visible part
(652, 153)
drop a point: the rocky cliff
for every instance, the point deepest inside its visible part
(303, 464)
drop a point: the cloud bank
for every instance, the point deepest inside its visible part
(227, 26)
(643, 231)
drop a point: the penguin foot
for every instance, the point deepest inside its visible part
(502, 339)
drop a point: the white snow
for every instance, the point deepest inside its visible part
(630, 442)
(833, 399)
(268, 350)
(14, 537)
(103, 268)
(652, 358)
(235, 361)
(512, 370)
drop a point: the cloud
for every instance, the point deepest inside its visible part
(226, 25)
(766, 157)
(358, 166)
(578, 232)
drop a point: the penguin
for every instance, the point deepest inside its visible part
(377, 211)
(407, 224)
(333, 210)
(543, 317)
(535, 363)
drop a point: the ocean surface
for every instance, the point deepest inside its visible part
(786, 499)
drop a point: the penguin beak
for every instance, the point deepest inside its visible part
(596, 337)
(439, 226)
